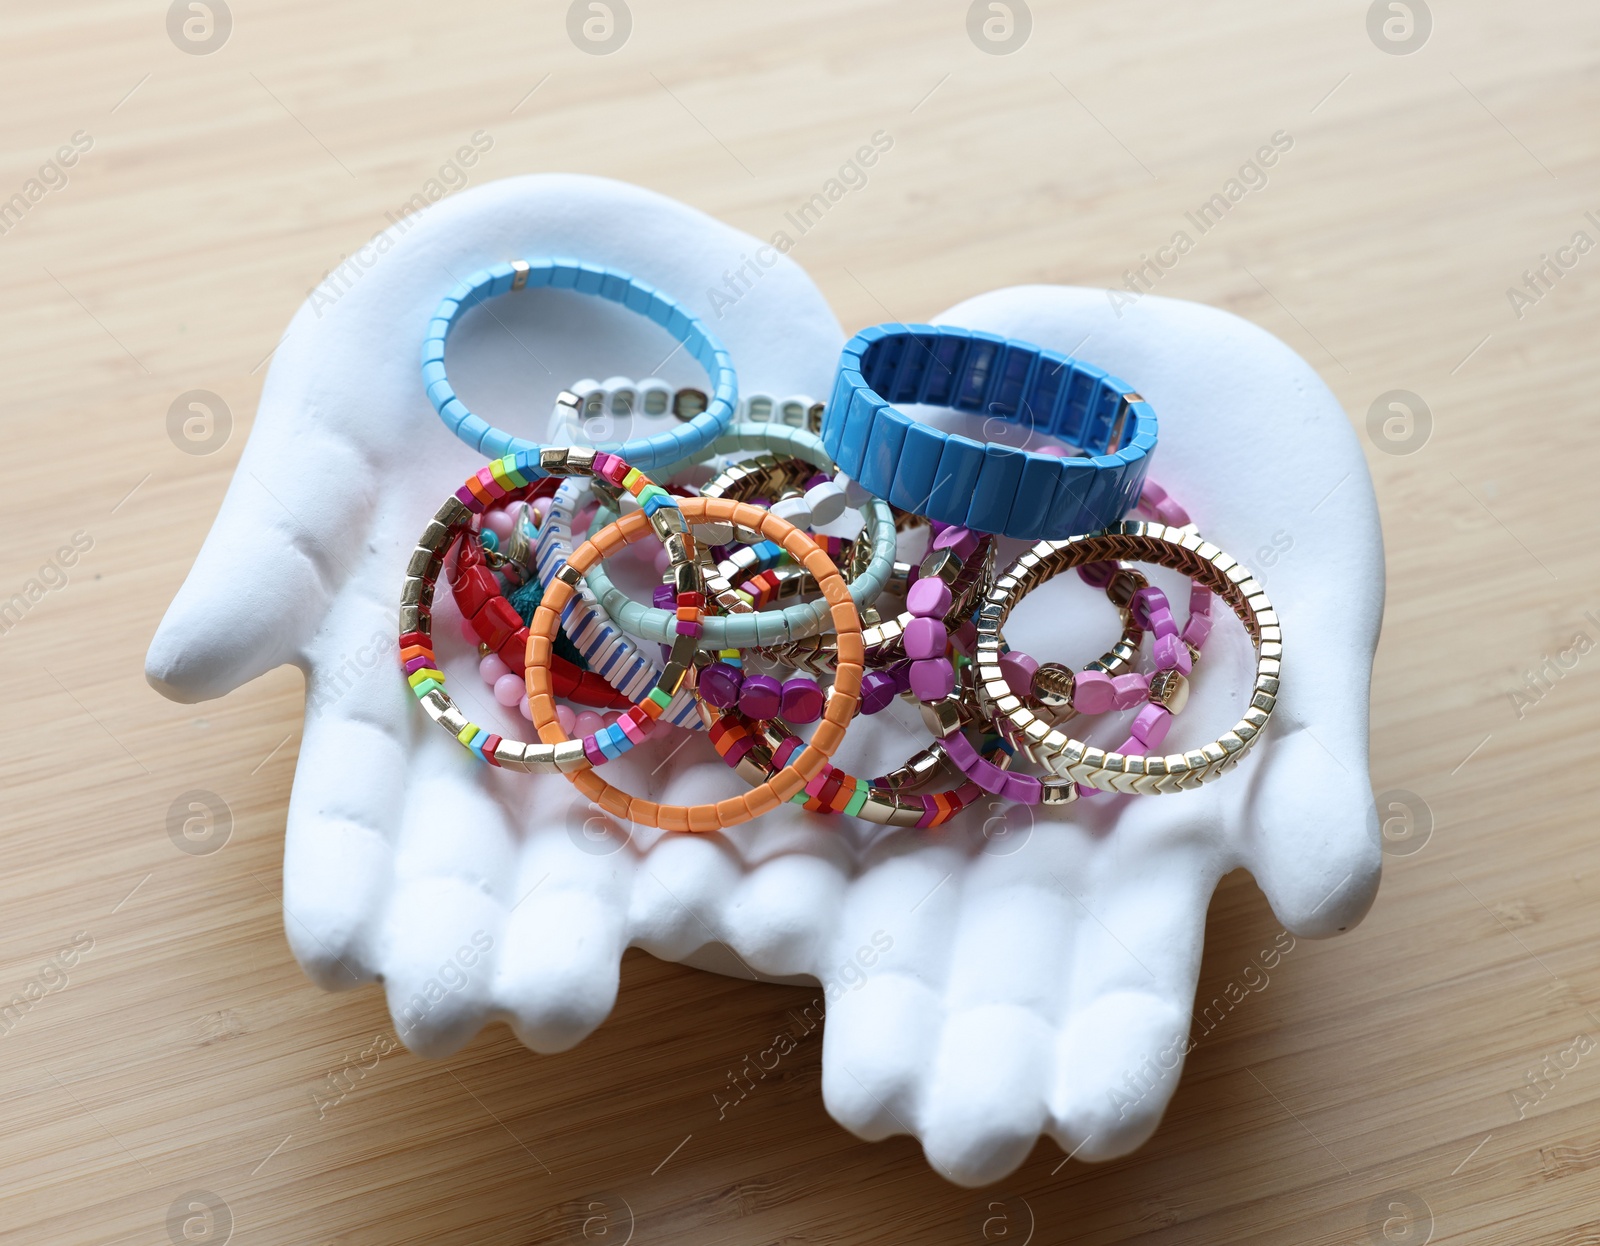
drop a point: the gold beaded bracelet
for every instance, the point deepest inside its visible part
(1181, 550)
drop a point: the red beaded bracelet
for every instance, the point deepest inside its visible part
(497, 624)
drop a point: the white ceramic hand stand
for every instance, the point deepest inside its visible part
(1011, 975)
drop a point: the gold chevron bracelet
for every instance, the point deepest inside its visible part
(1181, 550)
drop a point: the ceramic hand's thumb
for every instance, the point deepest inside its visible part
(1315, 846)
(280, 549)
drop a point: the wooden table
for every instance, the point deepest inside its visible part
(1433, 1071)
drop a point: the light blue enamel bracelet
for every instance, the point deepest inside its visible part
(763, 628)
(987, 487)
(671, 446)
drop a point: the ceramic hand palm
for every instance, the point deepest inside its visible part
(1011, 975)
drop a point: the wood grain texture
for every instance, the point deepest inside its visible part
(1424, 1060)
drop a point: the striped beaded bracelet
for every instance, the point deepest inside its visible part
(606, 649)
(504, 550)
(669, 446)
(799, 770)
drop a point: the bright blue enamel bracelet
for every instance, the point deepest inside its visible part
(987, 487)
(678, 443)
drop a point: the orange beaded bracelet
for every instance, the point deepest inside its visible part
(807, 764)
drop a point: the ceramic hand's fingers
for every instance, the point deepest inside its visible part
(1117, 1063)
(282, 547)
(780, 915)
(1022, 988)
(682, 882)
(566, 927)
(785, 913)
(983, 1110)
(459, 869)
(768, 889)
(497, 908)
(883, 981)
(877, 1050)
(344, 814)
(1131, 980)
(677, 893)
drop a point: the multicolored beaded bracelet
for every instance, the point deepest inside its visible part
(670, 446)
(758, 749)
(800, 770)
(964, 564)
(1182, 550)
(488, 619)
(756, 739)
(503, 479)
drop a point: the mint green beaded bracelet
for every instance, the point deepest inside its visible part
(766, 628)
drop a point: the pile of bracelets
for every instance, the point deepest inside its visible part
(778, 610)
